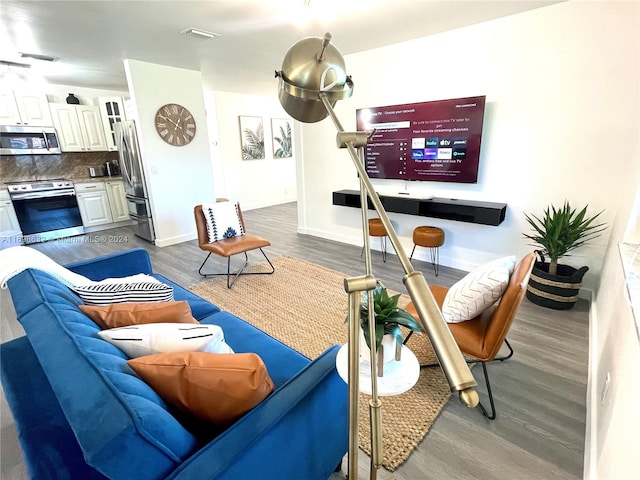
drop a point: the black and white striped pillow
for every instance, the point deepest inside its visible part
(106, 293)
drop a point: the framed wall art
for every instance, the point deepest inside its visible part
(281, 138)
(252, 137)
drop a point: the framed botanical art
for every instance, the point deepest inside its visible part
(252, 137)
(281, 138)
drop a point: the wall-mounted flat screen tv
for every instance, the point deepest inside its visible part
(437, 141)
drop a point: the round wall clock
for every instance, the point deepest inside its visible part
(175, 124)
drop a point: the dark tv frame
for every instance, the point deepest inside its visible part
(436, 141)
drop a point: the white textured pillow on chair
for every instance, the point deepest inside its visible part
(478, 290)
(223, 220)
(150, 338)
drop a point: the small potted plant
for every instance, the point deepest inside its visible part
(388, 320)
(559, 231)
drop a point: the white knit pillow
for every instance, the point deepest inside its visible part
(223, 220)
(478, 290)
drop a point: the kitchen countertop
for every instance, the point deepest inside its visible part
(96, 179)
(74, 180)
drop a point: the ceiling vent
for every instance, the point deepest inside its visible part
(196, 32)
(9, 63)
(37, 56)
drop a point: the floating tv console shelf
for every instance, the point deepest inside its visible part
(485, 213)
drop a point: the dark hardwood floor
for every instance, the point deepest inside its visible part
(540, 393)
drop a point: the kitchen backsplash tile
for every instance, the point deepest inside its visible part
(72, 165)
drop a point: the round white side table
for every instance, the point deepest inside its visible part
(399, 376)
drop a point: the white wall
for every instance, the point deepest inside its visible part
(255, 183)
(178, 178)
(562, 98)
(613, 432)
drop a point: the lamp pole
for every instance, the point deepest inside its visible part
(312, 80)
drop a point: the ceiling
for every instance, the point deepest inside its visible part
(90, 39)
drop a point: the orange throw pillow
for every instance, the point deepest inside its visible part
(216, 387)
(125, 314)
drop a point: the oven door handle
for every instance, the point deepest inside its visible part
(35, 195)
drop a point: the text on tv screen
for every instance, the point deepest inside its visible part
(435, 141)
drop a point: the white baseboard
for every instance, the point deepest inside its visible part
(165, 242)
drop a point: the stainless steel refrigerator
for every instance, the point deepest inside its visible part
(135, 187)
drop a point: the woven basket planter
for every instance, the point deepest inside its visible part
(559, 291)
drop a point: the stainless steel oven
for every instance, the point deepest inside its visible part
(46, 209)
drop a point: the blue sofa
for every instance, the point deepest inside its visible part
(82, 413)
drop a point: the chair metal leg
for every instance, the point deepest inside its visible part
(492, 415)
(383, 247)
(435, 259)
(238, 272)
(205, 261)
(506, 357)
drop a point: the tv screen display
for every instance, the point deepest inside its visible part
(436, 141)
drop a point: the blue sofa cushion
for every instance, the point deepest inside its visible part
(106, 404)
(50, 448)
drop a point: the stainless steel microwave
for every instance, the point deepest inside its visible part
(19, 140)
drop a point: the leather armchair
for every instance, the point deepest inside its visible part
(229, 247)
(483, 336)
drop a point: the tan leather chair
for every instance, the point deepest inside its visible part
(483, 336)
(229, 247)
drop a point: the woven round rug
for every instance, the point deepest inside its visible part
(304, 305)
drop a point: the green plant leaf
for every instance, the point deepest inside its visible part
(561, 230)
(388, 316)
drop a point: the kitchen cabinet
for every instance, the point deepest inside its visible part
(9, 227)
(24, 107)
(79, 127)
(93, 201)
(117, 201)
(112, 111)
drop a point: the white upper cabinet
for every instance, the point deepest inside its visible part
(9, 114)
(24, 107)
(79, 127)
(112, 110)
(91, 127)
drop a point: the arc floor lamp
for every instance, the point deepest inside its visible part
(312, 80)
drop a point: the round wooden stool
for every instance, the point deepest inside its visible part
(376, 229)
(429, 237)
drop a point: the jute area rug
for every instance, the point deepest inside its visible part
(304, 305)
